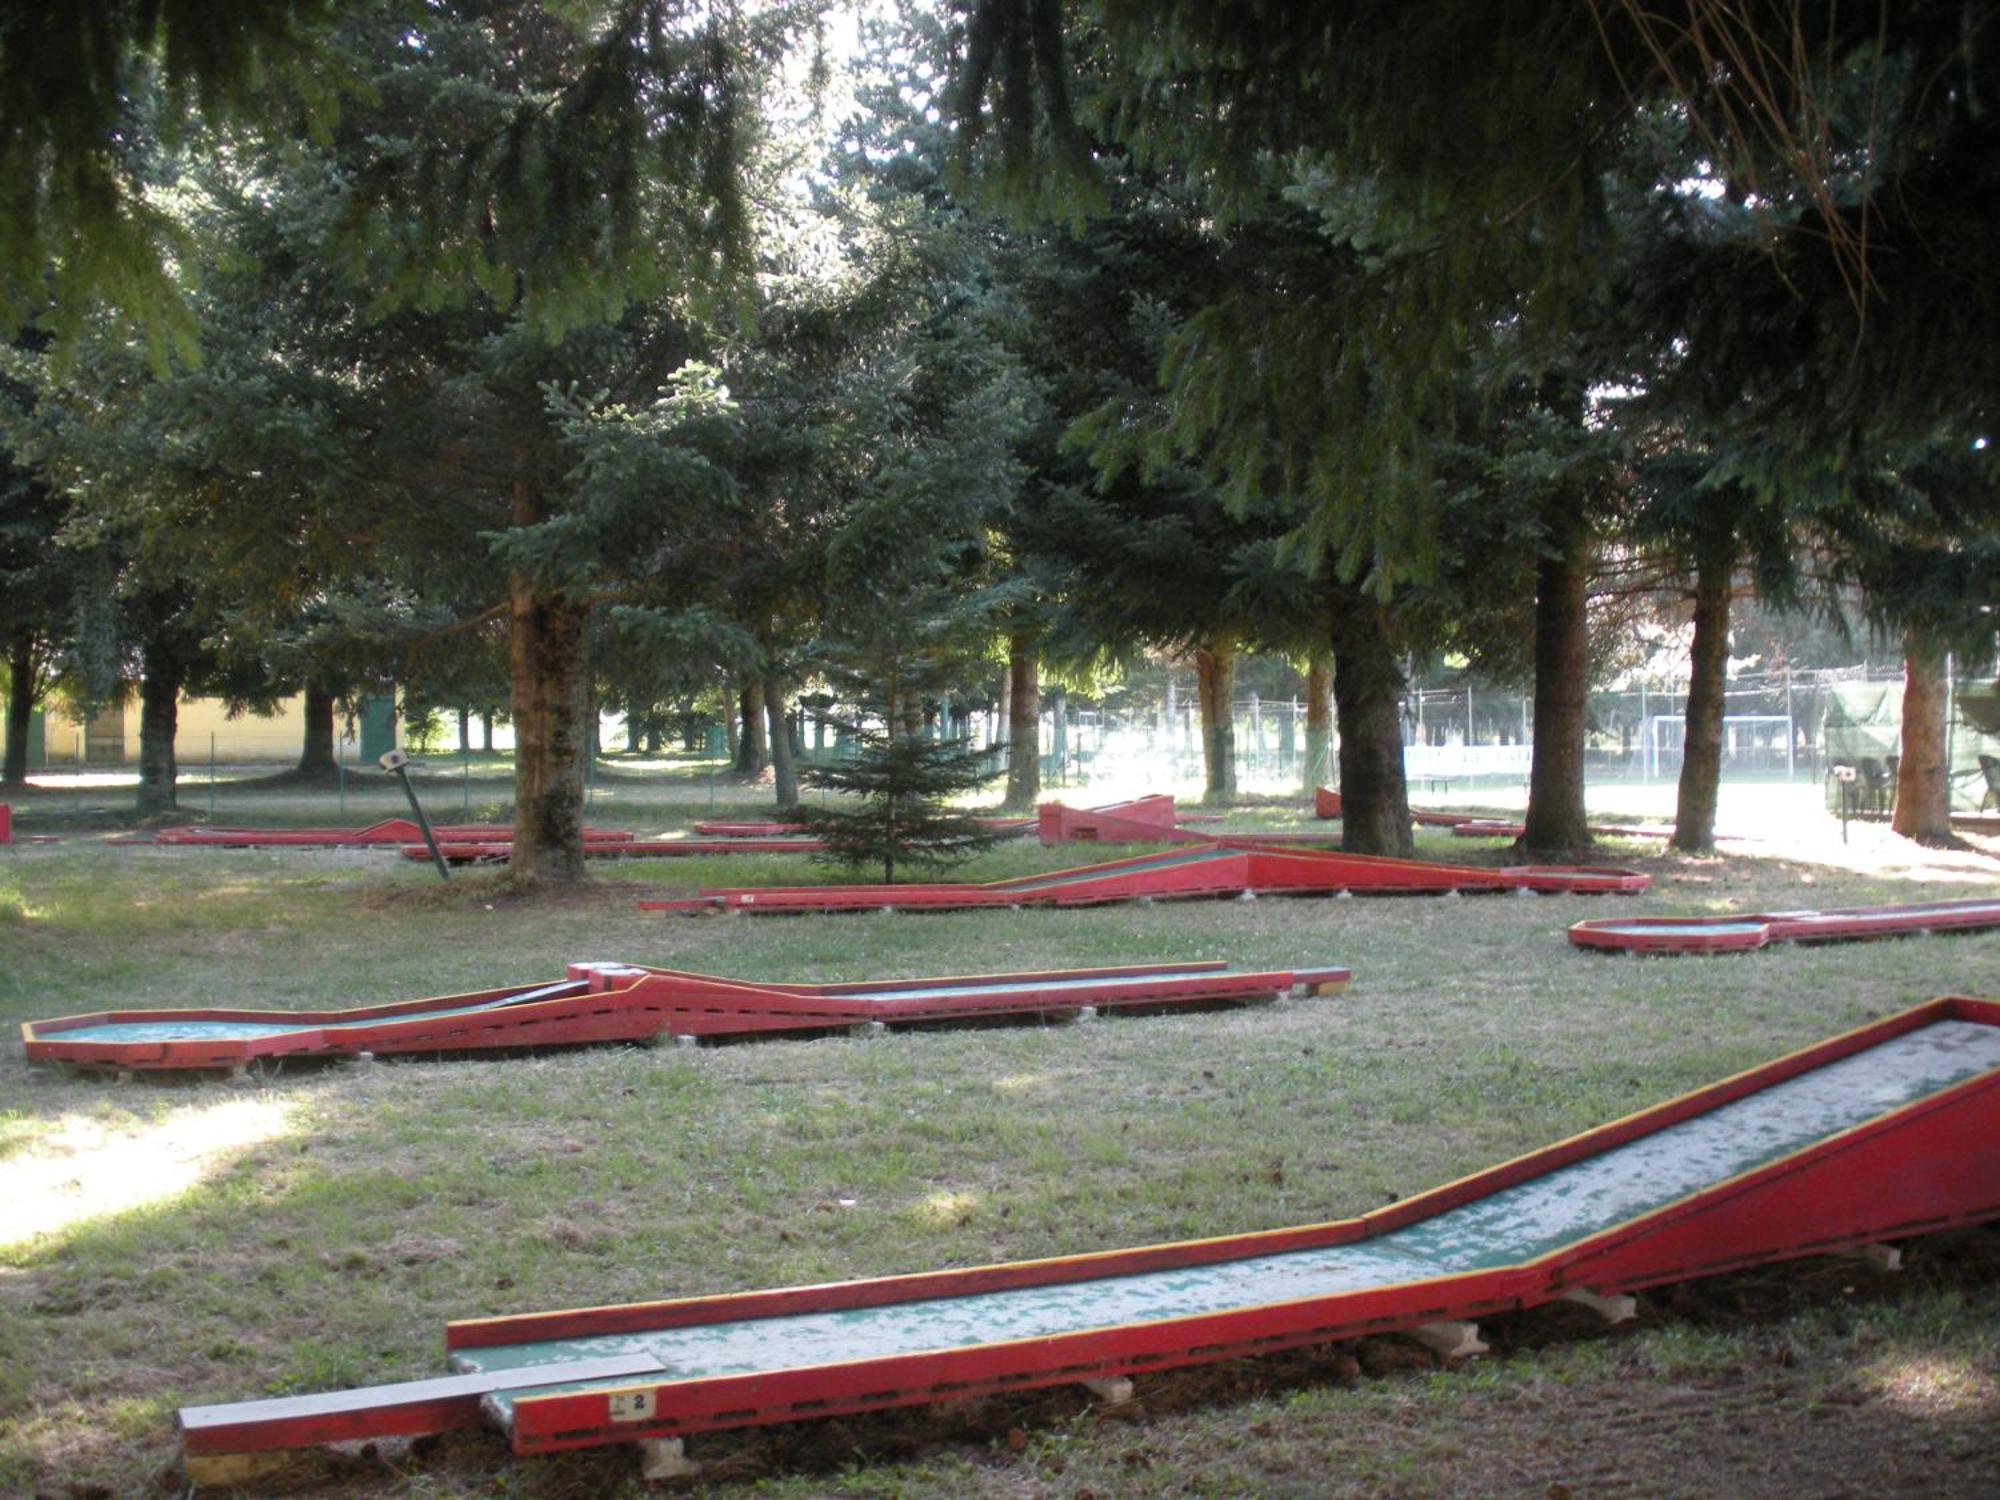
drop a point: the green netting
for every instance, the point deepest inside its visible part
(1863, 728)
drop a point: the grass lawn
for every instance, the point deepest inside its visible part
(170, 1244)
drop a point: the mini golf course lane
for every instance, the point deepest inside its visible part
(1209, 869)
(1509, 1228)
(203, 1030)
(390, 831)
(1877, 1132)
(608, 1002)
(1738, 934)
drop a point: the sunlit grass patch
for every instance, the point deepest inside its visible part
(84, 1167)
(15, 905)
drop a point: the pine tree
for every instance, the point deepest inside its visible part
(901, 783)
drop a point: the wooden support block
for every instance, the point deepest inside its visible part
(1615, 1309)
(1084, 1013)
(1247, 896)
(1878, 1257)
(687, 1039)
(868, 1028)
(1450, 1341)
(1114, 1390)
(666, 1458)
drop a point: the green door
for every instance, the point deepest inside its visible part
(378, 727)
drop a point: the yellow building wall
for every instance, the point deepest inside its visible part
(111, 738)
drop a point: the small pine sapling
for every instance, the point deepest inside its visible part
(896, 803)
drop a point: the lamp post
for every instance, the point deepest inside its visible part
(397, 764)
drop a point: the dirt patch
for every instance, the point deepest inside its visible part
(494, 889)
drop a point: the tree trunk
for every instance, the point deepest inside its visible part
(1319, 719)
(159, 718)
(1215, 678)
(1556, 823)
(316, 753)
(486, 732)
(1923, 781)
(1701, 748)
(635, 732)
(1368, 708)
(1024, 724)
(1003, 714)
(775, 712)
(549, 656)
(21, 694)
(753, 746)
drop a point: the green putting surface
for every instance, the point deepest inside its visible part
(1721, 927)
(1506, 1228)
(1038, 986)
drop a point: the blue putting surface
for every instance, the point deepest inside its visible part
(236, 1031)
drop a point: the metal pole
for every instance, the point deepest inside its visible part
(465, 778)
(211, 775)
(1646, 739)
(402, 774)
(1791, 728)
(1950, 729)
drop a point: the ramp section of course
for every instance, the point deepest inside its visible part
(610, 1002)
(1143, 820)
(1738, 934)
(1883, 1132)
(1211, 869)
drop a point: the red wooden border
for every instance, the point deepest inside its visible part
(1908, 1171)
(1840, 924)
(614, 1003)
